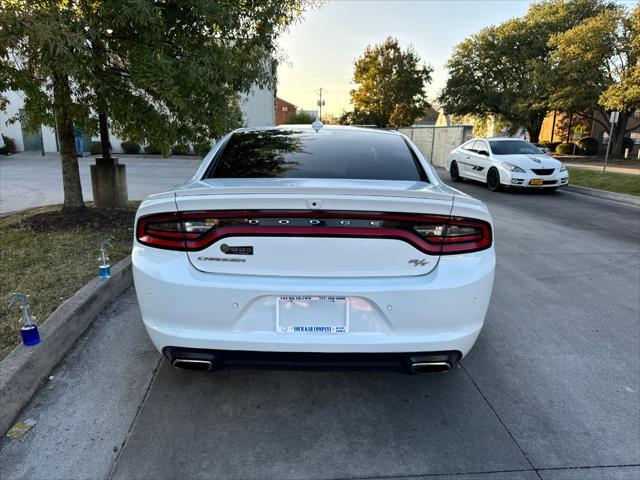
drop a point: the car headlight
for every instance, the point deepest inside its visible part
(563, 168)
(511, 167)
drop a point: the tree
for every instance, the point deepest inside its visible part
(505, 71)
(389, 86)
(598, 63)
(37, 45)
(162, 72)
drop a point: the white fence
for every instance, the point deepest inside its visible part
(436, 142)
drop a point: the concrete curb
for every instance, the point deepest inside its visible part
(594, 192)
(24, 369)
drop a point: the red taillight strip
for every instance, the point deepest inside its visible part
(193, 241)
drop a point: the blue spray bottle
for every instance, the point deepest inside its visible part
(104, 267)
(29, 331)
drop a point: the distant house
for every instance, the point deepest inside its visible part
(258, 110)
(559, 127)
(284, 111)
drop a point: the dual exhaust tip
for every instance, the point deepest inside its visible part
(207, 365)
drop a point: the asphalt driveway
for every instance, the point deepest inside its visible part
(27, 179)
(551, 390)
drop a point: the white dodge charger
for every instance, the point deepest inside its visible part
(506, 162)
(314, 247)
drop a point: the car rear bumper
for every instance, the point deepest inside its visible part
(185, 308)
(409, 362)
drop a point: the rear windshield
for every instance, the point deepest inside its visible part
(511, 147)
(326, 154)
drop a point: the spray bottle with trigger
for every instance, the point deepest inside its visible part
(29, 331)
(104, 268)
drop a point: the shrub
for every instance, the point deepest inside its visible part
(627, 143)
(9, 146)
(589, 145)
(201, 149)
(566, 148)
(131, 148)
(96, 148)
(152, 150)
(180, 149)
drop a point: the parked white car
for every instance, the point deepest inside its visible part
(295, 247)
(506, 162)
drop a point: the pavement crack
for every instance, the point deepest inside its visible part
(135, 417)
(500, 420)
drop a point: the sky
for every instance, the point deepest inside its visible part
(320, 50)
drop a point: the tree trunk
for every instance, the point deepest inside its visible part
(68, 155)
(617, 147)
(535, 126)
(104, 136)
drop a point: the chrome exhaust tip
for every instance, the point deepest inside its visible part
(430, 367)
(192, 364)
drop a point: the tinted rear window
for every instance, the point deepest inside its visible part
(307, 154)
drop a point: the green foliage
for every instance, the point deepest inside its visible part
(180, 149)
(162, 71)
(96, 148)
(596, 65)
(589, 145)
(9, 146)
(505, 70)
(202, 148)
(130, 148)
(567, 149)
(389, 86)
(301, 118)
(152, 149)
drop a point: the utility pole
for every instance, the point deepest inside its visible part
(320, 104)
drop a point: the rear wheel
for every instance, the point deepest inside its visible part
(455, 172)
(493, 180)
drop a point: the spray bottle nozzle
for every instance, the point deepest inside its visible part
(24, 306)
(29, 331)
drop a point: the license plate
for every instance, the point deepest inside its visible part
(536, 181)
(312, 314)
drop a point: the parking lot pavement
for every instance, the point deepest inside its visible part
(29, 180)
(551, 389)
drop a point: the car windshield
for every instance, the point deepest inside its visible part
(511, 147)
(329, 153)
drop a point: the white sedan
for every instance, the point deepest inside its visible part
(332, 248)
(506, 162)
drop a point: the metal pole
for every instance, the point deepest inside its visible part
(606, 157)
(320, 117)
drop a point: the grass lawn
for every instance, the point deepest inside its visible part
(613, 182)
(50, 255)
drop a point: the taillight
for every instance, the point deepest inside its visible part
(431, 234)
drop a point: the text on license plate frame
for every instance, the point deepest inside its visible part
(329, 302)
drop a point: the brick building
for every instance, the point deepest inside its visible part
(284, 111)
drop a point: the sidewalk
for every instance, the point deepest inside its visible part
(630, 169)
(28, 180)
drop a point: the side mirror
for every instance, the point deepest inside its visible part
(483, 152)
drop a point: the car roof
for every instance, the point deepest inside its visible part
(308, 127)
(503, 139)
